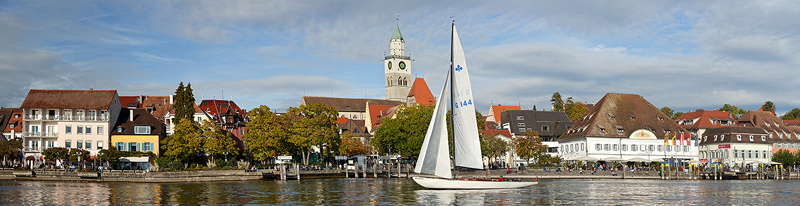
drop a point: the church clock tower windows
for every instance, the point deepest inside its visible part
(398, 69)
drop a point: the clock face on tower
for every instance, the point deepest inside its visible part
(402, 65)
(389, 66)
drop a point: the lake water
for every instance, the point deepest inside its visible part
(405, 192)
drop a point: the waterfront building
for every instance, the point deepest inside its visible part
(699, 121)
(625, 126)
(137, 130)
(162, 107)
(351, 108)
(80, 119)
(493, 116)
(780, 135)
(511, 156)
(11, 123)
(229, 116)
(735, 146)
(792, 122)
(548, 124)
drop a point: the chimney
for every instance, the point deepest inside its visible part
(90, 89)
(131, 117)
(171, 99)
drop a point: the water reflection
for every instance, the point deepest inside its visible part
(402, 192)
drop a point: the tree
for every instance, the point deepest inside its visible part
(668, 111)
(217, 143)
(677, 114)
(267, 134)
(352, 145)
(314, 125)
(10, 149)
(404, 133)
(184, 103)
(185, 142)
(56, 153)
(558, 104)
(110, 156)
(784, 157)
(793, 114)
(481, 124)
(528, 145)
(736, 111)
(576, 111)
(768, 107)
(493, 147)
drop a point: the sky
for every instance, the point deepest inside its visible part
(686, 55)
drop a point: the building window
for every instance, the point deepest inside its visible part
(67, 143)
(521, 124)
(68, 129)
(119, 129)
(120, 146)
(133, 146)
(598, 147)
(51, 144)
(545, 128)
(148, 147)
(583, 147)
(620, 130)
(80, 129)
(521, 129)
(763, 138)
(739, 137)
(660, 148)
(88, 144)
(634, 148)
(100, 145)
(146, 130)
(88, 129)
(685, 148)
(751, 138)
(669, 148)
(606, 147)
(99, 129)
(602, 129)
(624, 147)
(79, 144)
(520, 117)
(616, 147)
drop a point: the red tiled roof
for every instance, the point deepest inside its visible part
(702, 119)
(778, 131)
(792, 122)
(376, 112)
(497, 110)
(8, 119)
(140, 118)
(126, 100)
(69, 99)
(215, 107)
(162, 107)
(421, 93)
(341, 120)
(493, 132)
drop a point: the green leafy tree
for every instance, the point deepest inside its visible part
(793, 114)
(56, 153)
(404, 133)
(480, 123)
(493, 147)
(528, 145)
(10, 149)
(78, 155)
(217, 143)
(768, 107)
(110, 156)
(267, 134)
(352, 145)
(784, 157)
(314, 125)
(185, 142)
(184, 103)
(576, 111)
(677, 114)
(668, 111)
(557, 102)
(736, 111)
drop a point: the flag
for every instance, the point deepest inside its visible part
(666, 137)
(695, 140)
(689, 139)
(673, 139)
(681, 138)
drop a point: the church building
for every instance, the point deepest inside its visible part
(397, 68)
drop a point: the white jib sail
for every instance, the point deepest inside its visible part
(434, 157)
(466, 144)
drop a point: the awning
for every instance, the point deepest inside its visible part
(134, 159)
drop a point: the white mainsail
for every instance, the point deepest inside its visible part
(434, 158)
(466, 144)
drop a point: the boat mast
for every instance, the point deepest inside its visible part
(452, 98)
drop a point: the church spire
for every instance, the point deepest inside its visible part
(397, 34)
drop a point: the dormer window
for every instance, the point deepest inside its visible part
(739, 137)
(633, 118)
(660, 119)
(520, 117)
(611, 116)
(766, 123)
(602, 130)
(141, 129)
(667, 131)
(545, 128)
(751, 138)
(763, 138)
(119, 129)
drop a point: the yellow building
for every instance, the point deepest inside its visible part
(137, 130)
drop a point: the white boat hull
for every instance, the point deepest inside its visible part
(445, 184)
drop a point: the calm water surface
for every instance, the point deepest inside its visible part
(403, 191)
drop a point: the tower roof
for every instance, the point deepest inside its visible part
(397, 34)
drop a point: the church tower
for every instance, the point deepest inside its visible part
(397, 68)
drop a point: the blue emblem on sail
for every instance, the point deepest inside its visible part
(458, 68)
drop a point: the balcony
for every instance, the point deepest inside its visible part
(41, 134)
(33, 117)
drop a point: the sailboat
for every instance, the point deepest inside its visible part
(434, 157)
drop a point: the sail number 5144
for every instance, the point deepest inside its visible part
(464, 103)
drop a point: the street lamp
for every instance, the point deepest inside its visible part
(226, 156)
